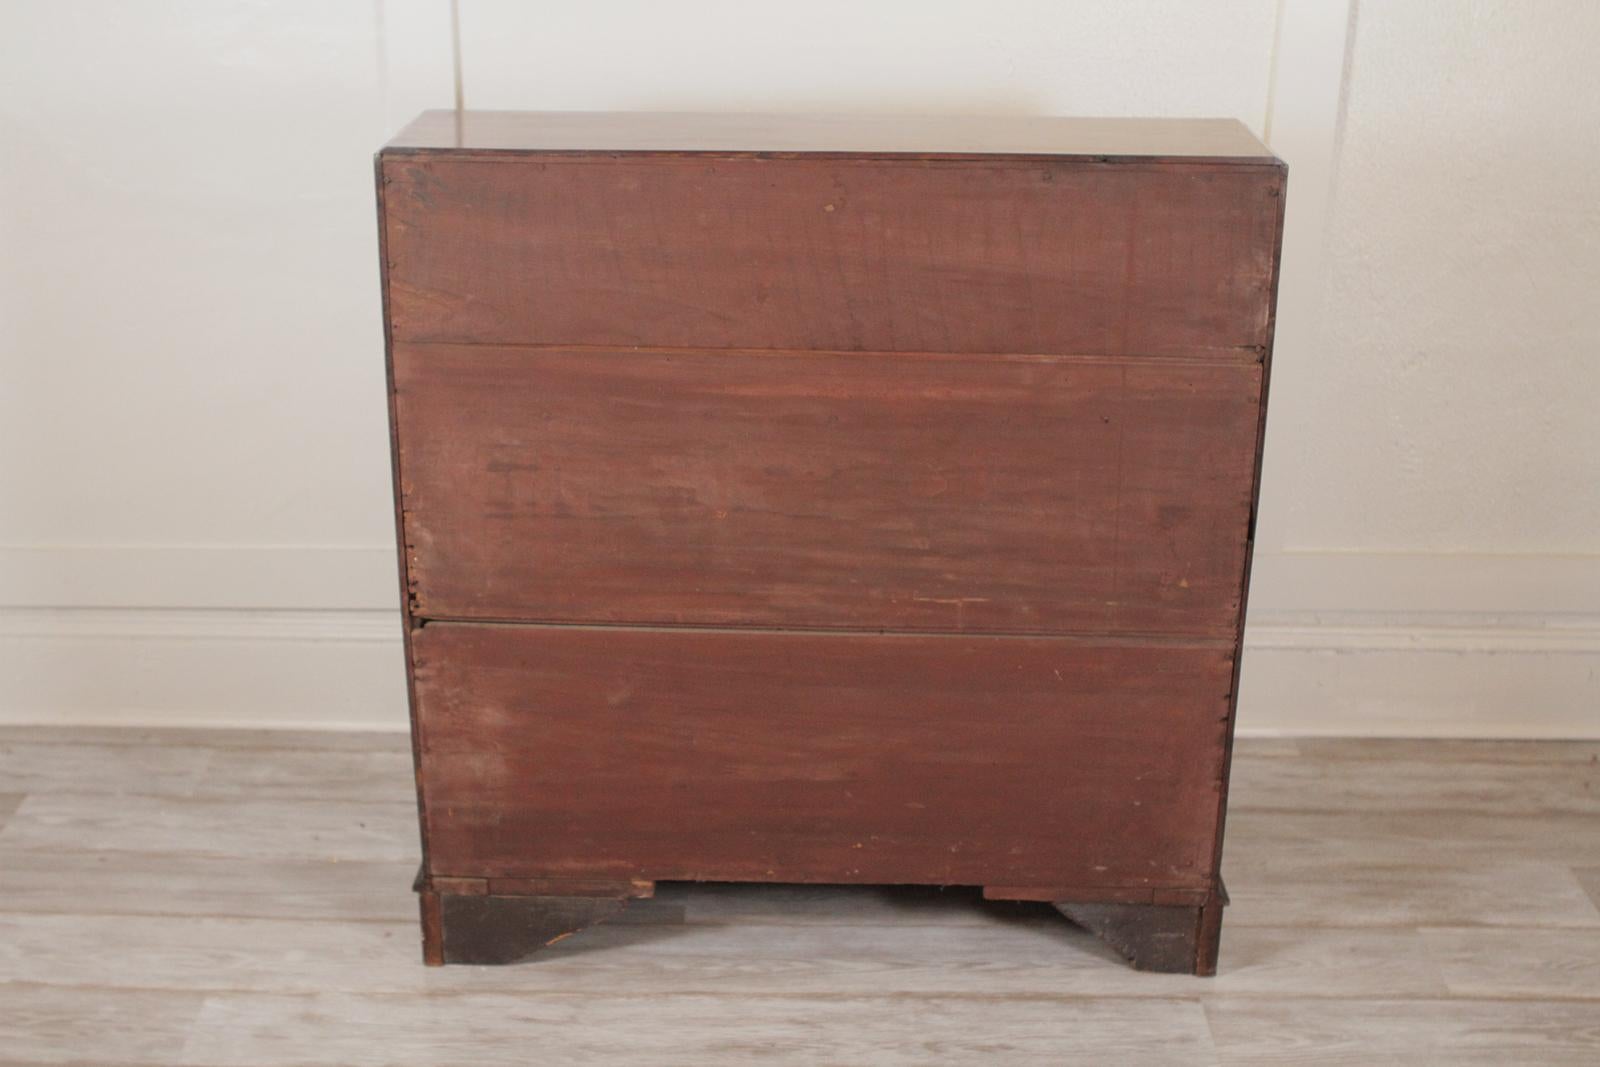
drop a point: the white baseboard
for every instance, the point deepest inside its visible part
(1436, 646)
(202, 667)
(1403, 677)
(244, 577)
(344, 670)
(1422, 645)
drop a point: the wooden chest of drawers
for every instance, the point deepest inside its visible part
(832, 501)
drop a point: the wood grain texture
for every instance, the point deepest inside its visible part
(967, 950)
(1358, 1033)
(286, 829)
(1001, 953)
(1366, 891)
(158, 769)
(207, 952)
(177, 883)
(689, 1030)
(1307, 867)
(314, 961)
(826, 489)
(8, 804)
(726, 755)
(1515, 756)
(677, 251)
(854, 512)
(1426, 835)
(1506, 962)
(45, 1024)
(1589, 878)
(1460, 786)
(173, 768)
(919, 136)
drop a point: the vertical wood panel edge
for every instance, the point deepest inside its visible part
(408, 622)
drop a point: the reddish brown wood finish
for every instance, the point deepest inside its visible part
(616, 753)
(876, 491)
(906, 256)
(686, 410)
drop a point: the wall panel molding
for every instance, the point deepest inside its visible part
(319, 577)
(1505, 646)
(189, 667)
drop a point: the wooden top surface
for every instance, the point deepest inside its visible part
(931, 137)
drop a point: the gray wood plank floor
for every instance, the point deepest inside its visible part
(232, 898)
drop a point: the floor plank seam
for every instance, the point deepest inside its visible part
(433, 992)
(1373, 919)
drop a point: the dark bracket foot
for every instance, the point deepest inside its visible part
(1173, 938)
(483, 928)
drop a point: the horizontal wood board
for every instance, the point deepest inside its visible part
(895, 255)
(571, 752)
(825, 490)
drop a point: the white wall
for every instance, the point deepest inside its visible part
(194, 506)
(1432, 496)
